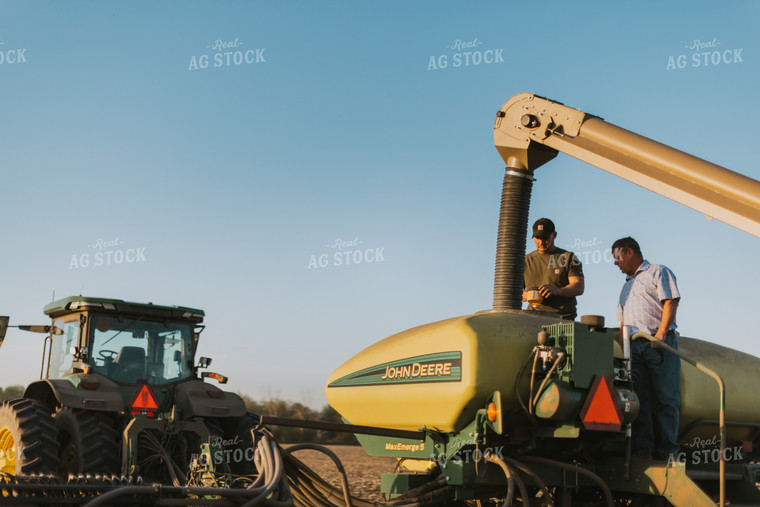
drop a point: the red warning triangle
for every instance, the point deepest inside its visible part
(144, 400)
(601, 411)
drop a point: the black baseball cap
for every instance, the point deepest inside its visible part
(543, 228)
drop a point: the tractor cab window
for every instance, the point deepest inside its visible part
(131, 350)
(60, 350)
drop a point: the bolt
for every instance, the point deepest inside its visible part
(530, 121)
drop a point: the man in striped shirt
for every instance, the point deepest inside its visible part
(648, 303)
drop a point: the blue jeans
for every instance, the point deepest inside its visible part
(657, 381)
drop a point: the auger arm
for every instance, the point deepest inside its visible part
(531, 130)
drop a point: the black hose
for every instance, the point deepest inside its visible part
(510, 478)
(510, 240)
(303, 479)
(307, 479)
(530, 473)
(517, 387)
(575, 468)
(334, 458)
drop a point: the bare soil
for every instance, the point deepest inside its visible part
(363, 471)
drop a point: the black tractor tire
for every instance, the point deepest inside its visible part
(239, 443)
(28, 438)
(87, 443)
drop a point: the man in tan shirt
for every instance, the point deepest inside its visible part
(556, 275)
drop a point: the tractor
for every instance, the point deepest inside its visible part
(120, 394)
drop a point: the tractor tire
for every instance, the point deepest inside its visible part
(237, 435)
(27, 438)
(87, 443)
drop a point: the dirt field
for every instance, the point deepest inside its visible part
(363, 471)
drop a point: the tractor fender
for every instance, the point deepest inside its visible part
(196, 398)
(69, 392)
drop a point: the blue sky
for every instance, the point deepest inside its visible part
(230, 178)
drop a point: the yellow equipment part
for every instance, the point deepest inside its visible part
(527, 124)
(494, 345)
(7, 451)
(417, 465)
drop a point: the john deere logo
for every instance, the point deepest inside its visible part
(441, 367)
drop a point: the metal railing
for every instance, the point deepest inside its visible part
(721, 418)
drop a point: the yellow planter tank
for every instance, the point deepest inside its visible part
(438, 375)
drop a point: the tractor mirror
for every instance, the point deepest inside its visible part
(42, 329)
(3, 328)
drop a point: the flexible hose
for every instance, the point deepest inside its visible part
(574, 468)
(517, 387)
(510, 240)
(510, 479)
(532, 377)
(274, 470)
(530, 473)
(281, 482)
(560, 357)
(334, 458)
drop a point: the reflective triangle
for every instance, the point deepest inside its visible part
(144, 400)
(601, 410)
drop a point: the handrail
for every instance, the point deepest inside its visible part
(722, 417)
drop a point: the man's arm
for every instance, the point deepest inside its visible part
(574, 287)
(669, 307)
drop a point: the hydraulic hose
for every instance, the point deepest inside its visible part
(532, 377)
(517, 386)
(557, 361)
(510, 478)
(274, 471)
(530, 473)
(334, 458)
(575, 468)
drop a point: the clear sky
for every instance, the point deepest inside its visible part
(235, 148)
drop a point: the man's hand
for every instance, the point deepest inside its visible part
(669, 307)
(575, 287)
(659, 335)
(548, 290)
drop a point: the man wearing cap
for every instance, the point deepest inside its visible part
(551, 273)
(648, 303)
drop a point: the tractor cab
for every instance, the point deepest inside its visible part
(120, 393)
(128, 343)
(127, 351)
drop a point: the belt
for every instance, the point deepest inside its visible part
(641, 339)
